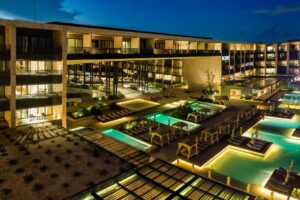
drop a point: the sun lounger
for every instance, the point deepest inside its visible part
(233, 142)
(256, 147)
(259, 141)
(102, 119)
(279, 186)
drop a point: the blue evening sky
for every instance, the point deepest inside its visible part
(234, 20)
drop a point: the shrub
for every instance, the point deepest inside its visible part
(12, 162)
(58, 159)
(66, 185)
(36, 160)
(28, 178)
(103, 172)
(38, 187)
(181, 112)
(19, 170)
(77, 174)
(48, 152)
(67, 165)
(6, 191)
(53, 175)
(69, 151)
(44, 168)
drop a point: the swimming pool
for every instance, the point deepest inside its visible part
(253, 169)
(122, 137)
(291, 97)
(164, 119)
(199, 105)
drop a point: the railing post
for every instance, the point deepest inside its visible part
(248, 187)
(228, 181)
(209, 173)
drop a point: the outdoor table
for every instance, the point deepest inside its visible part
(187, 148)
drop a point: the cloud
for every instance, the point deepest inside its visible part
(45, 10)
(273, 34)
(278, 10)
(10, 16)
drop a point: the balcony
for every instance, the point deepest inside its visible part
(282, 55)
(195, 52)
(293, 66)
(94, 53)
(38, 100)
(51, 53)
(38, 77)
(4, 53)
(4, 77)
(98, 53)
(39, 118)
(282, 70)
(4, 104)
(294, 55)
(270, 66)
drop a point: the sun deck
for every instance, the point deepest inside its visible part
(161, 180)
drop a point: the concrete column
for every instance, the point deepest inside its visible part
(64, 78)
(87, 40)
(135, 44)
(276, 58)
(10, 39)
(288, 58)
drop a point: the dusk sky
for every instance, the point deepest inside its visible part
(234, 20)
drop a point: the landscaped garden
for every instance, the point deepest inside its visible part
(52, 168)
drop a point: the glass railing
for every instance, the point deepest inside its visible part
(39, 95)
(39, 72)
(94, 50)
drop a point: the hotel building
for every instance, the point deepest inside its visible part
(38, 61)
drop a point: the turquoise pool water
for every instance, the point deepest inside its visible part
(122, 137)
(164, 119)
(254, 169)
(292, 97)
(199, 105)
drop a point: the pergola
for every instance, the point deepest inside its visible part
(267, 106)
(210, 135)
(204, 111)
(224, 100)
(195, 116)
(179, 126)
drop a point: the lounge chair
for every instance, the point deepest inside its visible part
(234, 142)
(279, 186)
(259, 141)
(256, 147)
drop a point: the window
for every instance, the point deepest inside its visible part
(126, 44)
(75, 42)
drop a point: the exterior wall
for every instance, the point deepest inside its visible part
(194, 71)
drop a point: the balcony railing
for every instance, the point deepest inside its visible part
(93, 50)
(4, 52)
(38, 100)
(39, 73)
(49, 53)
(4, 103)
(188, 52)
(4, 77)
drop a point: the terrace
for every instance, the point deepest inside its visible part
(161, 180)
(47, 162)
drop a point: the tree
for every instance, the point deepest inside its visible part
(210, 79)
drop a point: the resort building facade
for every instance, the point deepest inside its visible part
(39, 61)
